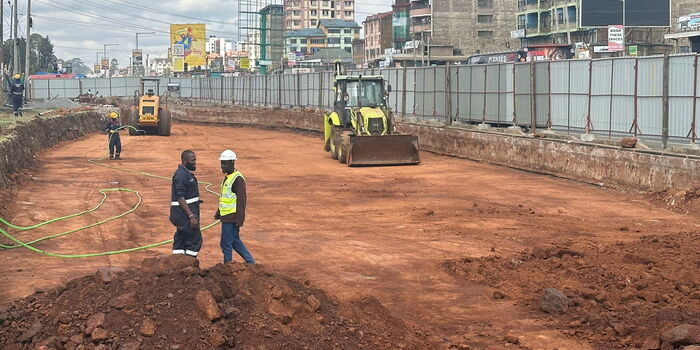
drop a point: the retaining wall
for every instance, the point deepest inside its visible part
(593, 163)
(28, 138)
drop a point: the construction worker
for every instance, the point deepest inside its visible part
(184, 207)
(231, 210)
(112, 129)
(17, 90)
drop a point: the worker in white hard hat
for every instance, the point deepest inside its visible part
(16, 92)
(112, 130)
(231, 210)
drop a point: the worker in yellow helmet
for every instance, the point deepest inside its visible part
(16, 92)
(112, 129)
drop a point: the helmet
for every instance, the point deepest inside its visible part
(228, 155)
(17, 76)
(114, 115)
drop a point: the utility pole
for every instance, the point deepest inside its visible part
(15, 62)
(28, 49)
(2, 53)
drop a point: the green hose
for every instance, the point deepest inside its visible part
(29, 245)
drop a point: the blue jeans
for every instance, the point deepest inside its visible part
(231, 240)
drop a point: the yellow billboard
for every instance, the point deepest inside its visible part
(178, 64)
(193, 39)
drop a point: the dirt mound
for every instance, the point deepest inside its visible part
(170, 303)
(622, 295)
(683, 201)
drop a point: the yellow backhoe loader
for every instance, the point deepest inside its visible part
(360, 130)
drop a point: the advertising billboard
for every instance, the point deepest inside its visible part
(638, 13)
(137, 57)
(616, 38)
(192, 37)
(178, 64)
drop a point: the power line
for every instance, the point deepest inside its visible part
(141, 7)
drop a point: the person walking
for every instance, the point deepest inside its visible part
(184, 207)
(16, 91)
(115, 142)
(231, 210)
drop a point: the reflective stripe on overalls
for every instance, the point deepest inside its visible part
(228, 199)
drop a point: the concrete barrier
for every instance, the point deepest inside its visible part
(593, 163)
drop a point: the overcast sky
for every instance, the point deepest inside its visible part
(80, 28)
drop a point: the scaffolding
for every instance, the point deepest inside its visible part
(261, 28)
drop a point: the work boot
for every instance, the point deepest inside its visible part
(111, 156)
(117, 157)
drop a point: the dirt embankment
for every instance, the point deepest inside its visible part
(170, 303)
(19, 144)
(624, 295)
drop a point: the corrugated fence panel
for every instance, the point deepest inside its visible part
(478, 84)
(650, 92)
(680, 101)
(505, 98)
(560, 73)
(522, 94)
(600, 94)
(622, 116)
(440, 93)
(492, 92)
(410, 94)
(542, 93)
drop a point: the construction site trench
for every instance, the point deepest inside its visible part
(448, 254)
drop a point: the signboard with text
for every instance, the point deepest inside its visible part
(137, 57)
(616, 38)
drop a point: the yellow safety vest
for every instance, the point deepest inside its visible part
(228, 199)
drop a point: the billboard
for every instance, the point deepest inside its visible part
(616, 38)
(192, 37)
(105, 63)
(137, 57)
(638, 13)
(178, 64)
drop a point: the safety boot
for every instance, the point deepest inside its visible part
(111, 156)
(117, 157)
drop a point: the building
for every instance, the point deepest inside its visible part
(557, 21)
(472, 27)
(272, 23)
(160, 66)
(358, 52)
(300, 14)
(305, 41)
(420, 21)
(218, 45)
(339, 33)
(378, 35)
(401, 10)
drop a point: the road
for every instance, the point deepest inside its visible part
(381, 231)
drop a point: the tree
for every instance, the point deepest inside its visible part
(41, 54)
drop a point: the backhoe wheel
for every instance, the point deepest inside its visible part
(134, 123)
(164, 123)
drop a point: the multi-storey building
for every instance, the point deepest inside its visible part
(305, 41)
(420, 21)
(400, 28)
(301, 14)
(378, 35)
(558, 21)
(358, 52)
(339, 33)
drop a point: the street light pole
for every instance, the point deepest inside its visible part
(105, 56)
(133, 73)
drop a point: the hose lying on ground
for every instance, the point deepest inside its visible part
(30, 245)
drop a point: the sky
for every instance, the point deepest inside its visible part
(80, 28)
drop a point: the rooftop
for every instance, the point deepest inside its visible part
(306, 32)
(337, 23)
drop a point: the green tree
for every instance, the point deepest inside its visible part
(41, 54)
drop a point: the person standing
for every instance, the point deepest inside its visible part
(184, 207)
(115, 142)
(16, 91)
(231, 210)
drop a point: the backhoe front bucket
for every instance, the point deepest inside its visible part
(383, 150)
